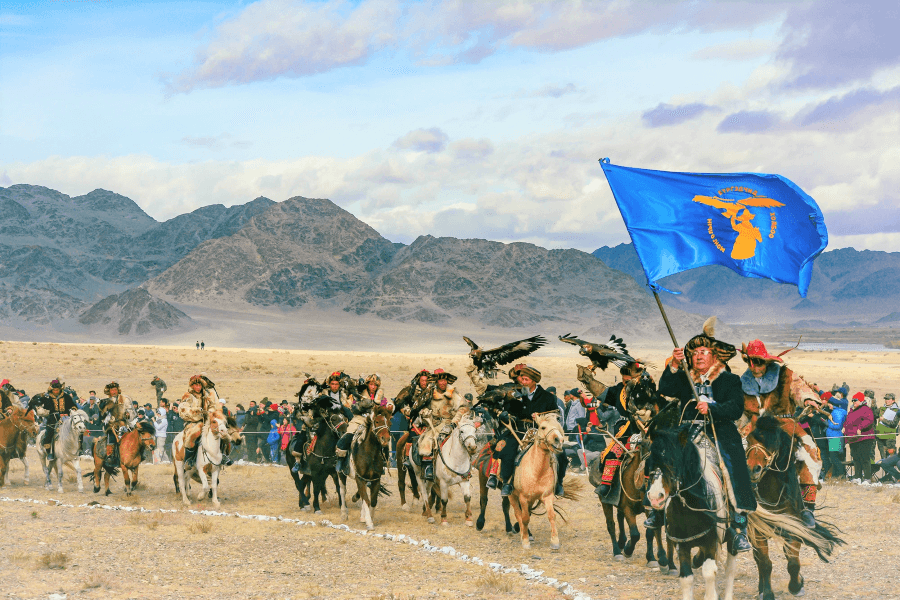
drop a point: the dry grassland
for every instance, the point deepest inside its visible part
(92, 553)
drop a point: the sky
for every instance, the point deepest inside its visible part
(465, 119)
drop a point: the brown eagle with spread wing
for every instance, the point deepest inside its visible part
(489, 360)
(613, 351)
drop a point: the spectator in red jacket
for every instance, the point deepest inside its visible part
(859, 429)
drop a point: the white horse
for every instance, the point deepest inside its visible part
(67, 448)
(452, 463)
(209, 454)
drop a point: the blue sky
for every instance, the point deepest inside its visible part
(454, 118)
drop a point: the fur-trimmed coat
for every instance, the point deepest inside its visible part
(193, 406)
(779, 392)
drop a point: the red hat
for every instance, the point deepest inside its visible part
(4, 382)
(756, 349)
(859, 396)
(826, 396)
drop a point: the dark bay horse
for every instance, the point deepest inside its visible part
(368, 457)
(404, 399)
(321, 459)
(131, 452)
(770, 458)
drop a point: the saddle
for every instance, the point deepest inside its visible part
(527, 442)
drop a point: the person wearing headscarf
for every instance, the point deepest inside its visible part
(859, 429)
(721, 404)
(771, 388)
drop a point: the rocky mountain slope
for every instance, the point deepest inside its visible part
(311, 253)
(60, 254)
(848, 286)
(134, 312)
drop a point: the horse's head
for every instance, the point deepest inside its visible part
(550, 431)
(381, 424)
(79, 421)
(25, 421)
(218, 424)
(467, 435)
(147, 434)
(667, 465)
(233, 432)
(768, 447)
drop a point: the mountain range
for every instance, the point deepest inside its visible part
(98, 263)
(848, 287)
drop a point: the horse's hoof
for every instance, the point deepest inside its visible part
(445, 524)
(370, 528)
(431, 520)
(652, 564)
(619, 557)
(664, 569)
(526, 546)
(96, 489)
(108, 493)
(306, 508)
(404, 507)
(469, 523)
(555, 546)
(319, 512)
(800, 592)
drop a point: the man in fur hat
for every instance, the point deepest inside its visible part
(721, 404)
(338, 394)
(55, 404)
(439, 414)
(616, 397)
(531, 399)
(193, 410)
(372, 397)
(771, 388)
(118, 414)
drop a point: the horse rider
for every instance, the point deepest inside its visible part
(56, 404)
(341, 398)
(617, 398)
(437, 414)
(192, 409)
(117, 413)
(530, 399)
(6, 405)
(771, 388)
(373, 396)
(721, 404)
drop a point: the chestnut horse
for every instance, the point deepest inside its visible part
(535, 479)
(770, 459)
(15, 429)
(131, 450)
(368, 461)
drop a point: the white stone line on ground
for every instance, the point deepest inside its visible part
(531, 575)
(867, 483)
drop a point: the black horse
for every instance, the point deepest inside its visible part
(321, 460)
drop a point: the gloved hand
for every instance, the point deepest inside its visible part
(505, 417)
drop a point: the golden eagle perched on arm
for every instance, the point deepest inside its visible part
(613, 351)
(489, 360)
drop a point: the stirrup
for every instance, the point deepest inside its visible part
(507, 490)
(806, 516)
(492, 482)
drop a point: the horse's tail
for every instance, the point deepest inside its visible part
(383, 491)
(572, 488)
(822, 539)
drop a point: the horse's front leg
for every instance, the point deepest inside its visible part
(611, 529)
(467, 498)
(650, 535)
(685, 574)
(374, 488)
(77, 465)
(341, 483)
(551, 515)
(444, 498)
(214, 486)
(708, 569)
(763, 566)
(523, 515)
(201, 472)
(60, 468)
(792, 553)
(27, 478)
(730, 569)
(365, 516)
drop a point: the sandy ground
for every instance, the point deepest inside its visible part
(174, 555)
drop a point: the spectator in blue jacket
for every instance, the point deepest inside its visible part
(834, 431)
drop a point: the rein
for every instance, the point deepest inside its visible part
(444, 460)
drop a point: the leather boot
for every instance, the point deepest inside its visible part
(737, 535)
(559, 489)
(190, 456)
(507, 490)
(48, 450)
(428, 468)
(492, 482)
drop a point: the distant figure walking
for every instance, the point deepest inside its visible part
(198, 344)
(202, 345)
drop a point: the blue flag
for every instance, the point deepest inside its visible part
(755, 224)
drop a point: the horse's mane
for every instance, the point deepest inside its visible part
(674, 453)
(146, 427)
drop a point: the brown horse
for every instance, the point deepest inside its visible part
(770, 458)
(630, 505)
(535, 479)
(368, 459)
(131, 448)
(15, 429)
